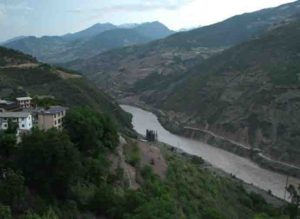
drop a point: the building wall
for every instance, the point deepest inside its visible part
(24, 124)
(48, 121)
(25, 104)
(58, 120)
(45, 122)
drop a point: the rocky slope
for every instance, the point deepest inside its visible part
(87, 43)
(249, 93)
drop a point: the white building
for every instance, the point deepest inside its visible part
(22, 119)
(24, 102)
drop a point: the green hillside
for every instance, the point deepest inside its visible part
(12, 57)
(249, 93)
(86, 171)
(89, 42)
(22, 75)
(117, 71)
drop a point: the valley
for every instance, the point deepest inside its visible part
(202, 123)
(244, 89)
(87, 43)
(241, 168)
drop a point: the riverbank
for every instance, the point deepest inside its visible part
(178, 127)
(155, 154)
(242, 168)
(237, 148)
(267, 195)
(194, 188)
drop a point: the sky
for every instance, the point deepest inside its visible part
(58, 17)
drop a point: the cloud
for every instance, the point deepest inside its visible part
(2, 14)
(15, 6)
(136, 7)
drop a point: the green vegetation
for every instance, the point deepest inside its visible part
(49, 162)
(44, 79)
(89, 42)
(251, 86)
(68, 174)
(176, 53)
(90, 130)
(12, 57)
(295, 204)
(132, 154)
(46, 174)
(45, 101)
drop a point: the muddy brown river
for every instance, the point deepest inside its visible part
(242, 168)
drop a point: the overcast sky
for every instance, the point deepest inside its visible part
(56, 17)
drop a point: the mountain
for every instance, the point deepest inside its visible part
(249, 93)
(128, 25)
(42, 47)
(14, 39)
(174, 55)
(90, 32)
(21, 75)
(153, 30)
(89, 42)
(100, 43)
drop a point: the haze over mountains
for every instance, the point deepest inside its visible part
(89, 42)
(178, 52)
(247, 93)
(233, 85)
(22, 75)
(204, 75)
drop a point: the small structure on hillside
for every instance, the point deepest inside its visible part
(8, 106)
(151, 135)
(23, 120)
(24, 102)
(52, 117)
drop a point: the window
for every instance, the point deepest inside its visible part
(23, 126)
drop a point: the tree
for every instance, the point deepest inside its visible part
(8, 139)
(5, 212)
(50, 214)
(295, 200)
(12, 188)
(49, 162)
(12, 127)
(8, 144)
(90, 130)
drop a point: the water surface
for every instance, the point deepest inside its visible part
(242, 168)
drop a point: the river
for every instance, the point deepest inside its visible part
(242, 168)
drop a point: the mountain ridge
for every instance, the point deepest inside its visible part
(177, 53)
(21, 75)
(249, 93)
(57, 49)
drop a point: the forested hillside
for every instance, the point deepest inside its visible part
(249, 93)
(89, 42)
(117, 71)
(22, 75)
(89, 171)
